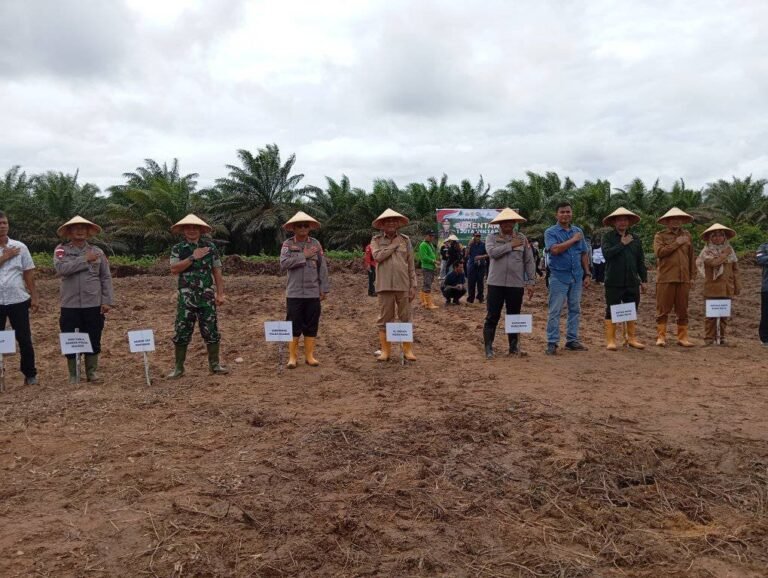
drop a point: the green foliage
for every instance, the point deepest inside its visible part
(249, 206)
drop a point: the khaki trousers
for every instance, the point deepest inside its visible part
(671, 296)
(388, 302)
(710, 327)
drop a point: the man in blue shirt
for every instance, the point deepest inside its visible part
(569, 267)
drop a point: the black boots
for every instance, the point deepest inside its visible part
(488, 335)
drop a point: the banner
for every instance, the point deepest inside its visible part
(462, 222)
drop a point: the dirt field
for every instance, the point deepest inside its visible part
(633, 463)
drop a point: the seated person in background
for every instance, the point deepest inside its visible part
(455, 284)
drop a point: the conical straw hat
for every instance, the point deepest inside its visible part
(93, 228)
(190, 219)
(301, 217)
(388, 214)
(622, 212)
(452, 238)
(729, 233)
(508, 215)
(675, 212)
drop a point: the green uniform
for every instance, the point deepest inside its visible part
(197, 293)
(427, 255)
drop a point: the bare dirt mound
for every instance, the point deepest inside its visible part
(633, 463)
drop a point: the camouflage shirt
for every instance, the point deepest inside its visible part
(198, 277)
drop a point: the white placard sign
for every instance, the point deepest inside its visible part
(279, 331)
(75, 343)
(518, 324)
(718, 307)
(623, 312)
(7, 342)
(141, 340)
(400, 332)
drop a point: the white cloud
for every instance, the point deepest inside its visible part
(403, 90)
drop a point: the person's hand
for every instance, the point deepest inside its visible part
(9, 253)
(577, 237)
(626, 239)
(34, 304)
(412, 293)
(682, 240)
(529, 290)
(516, 241)
(587, 281)
(105, 309)
(219, 299)
(201, 252)
(642, 287)
(92, 256)
(310, 251)
(323, 296)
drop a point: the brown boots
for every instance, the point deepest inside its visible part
(682, 336)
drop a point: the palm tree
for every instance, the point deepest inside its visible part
(257, 198)
(333, 206)
(142, 210)
(638, 198)
(425, 199)
(537, 197)
(56, 198)
(467, 196)
(356, 230)
(15, 191)
(740, 201)
(592, 203)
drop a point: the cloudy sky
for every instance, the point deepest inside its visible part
(402, 89)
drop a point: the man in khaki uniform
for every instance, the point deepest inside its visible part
(395, 277)
(675, 272)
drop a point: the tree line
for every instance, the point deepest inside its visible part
(248, 206)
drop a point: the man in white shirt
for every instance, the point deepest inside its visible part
(18, 295)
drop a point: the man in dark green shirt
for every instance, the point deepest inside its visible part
(625, 272)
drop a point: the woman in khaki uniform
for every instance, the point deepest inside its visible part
(719, 266)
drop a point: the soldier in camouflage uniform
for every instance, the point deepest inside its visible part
(201, 289)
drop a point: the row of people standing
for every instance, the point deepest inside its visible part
(625, 275)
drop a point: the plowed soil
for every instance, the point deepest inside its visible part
(633, 463)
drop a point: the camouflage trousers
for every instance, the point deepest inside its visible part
(191, 308)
